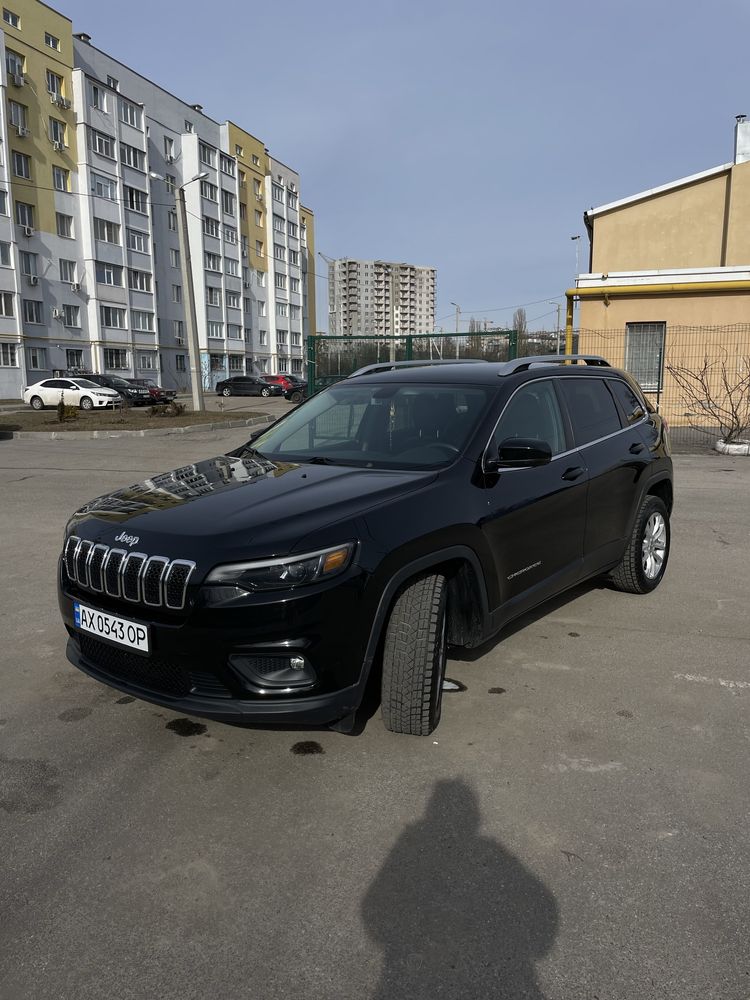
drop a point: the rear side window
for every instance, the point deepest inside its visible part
(592, 409)
(628, 400)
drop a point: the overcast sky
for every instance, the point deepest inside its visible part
(469, 136)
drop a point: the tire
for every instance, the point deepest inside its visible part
(86, 403)
(414, 655)
(296, 397)
(645, 560)
(226, 391)
(36, 403)
(265, 392)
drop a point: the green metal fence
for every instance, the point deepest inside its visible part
(330, 359)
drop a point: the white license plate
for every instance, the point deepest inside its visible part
(121, 631)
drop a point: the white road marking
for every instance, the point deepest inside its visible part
(719, 681)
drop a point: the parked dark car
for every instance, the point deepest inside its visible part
(390, 516)
(246, 385)
(157, 393)
(134, 394)
(294, 388)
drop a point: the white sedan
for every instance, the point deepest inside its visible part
(74, 392)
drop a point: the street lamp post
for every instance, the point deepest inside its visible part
(191, 322)
(576, 240)
(458, 323)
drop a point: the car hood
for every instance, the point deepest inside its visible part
(237, 506)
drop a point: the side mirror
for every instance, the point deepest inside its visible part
(519, 453)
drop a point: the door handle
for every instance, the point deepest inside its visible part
(636, 447)
(575, 473)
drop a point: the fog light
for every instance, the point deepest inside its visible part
(273, 674)
(297, 662)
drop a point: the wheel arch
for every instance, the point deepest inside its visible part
(662, 488)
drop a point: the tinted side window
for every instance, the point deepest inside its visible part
(592, 409)
(54, 383)
(533, 412)
(631, 404)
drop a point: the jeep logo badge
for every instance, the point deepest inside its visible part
(127, 539)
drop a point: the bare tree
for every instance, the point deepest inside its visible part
(519, 322)
(718, 391)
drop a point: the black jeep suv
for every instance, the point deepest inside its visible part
(392, 515)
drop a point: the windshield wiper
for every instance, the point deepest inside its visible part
(321, 460)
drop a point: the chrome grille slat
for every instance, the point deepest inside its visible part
(156, 581)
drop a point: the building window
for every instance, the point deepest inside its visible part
(234, 331)
(215, 330)
(108, 274)
(644, 353)
(294, 284)
(177, 293)
(295, 311)
(283, 365)
(130, 113)
(169, 183)
(236, 363)
(60, 179)
(243, 211)
(137, 240)
(147, 361)
(211, 226)
(188, 126)
(282, 309)
(5, 255)
(262, 338)
(227, 202)
(179, 363)
(54, 84)
(18, 115)
(260, 279)
(233, 300)
(296, 342)
(32, 311)
(231, 266)
(29, 264)
(97, 97)
(259, 248)
(22, 165)
(106, 232)
(36, 358)
(292, 229)
(115, 358)
(104, 187)
(139, 281)
(73, 358)
(57, 132)
(102, 144)
(51, 41)
(213, 261)
(230, 234)
(172, 221)
(227, 165)
(209, 191)
(6, 305)
(64, 225)
(217, 362)
(279, 252)
(177, 330)
(206, 154)
(294, 257)
(291, 199)
(113, 317)
(213, 295)
(132, 157)
(10, 18)
(8, 353)
(278, 224)
(279, 281)
(135, 199)
(238, 151)
(168, 148)
(72, 318)
(296, 366)
(174, 257)
(113, 83)
(261, 307)
(14, 63)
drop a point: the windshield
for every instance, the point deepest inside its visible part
(84, 383)
(379, 426)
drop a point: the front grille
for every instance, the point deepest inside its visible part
(148, 672)
(134, 576)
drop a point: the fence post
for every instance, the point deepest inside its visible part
(512, 345)
(312, 364)
(409, 346)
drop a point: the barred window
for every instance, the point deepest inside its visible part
(644, 353)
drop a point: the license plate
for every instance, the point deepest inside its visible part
(120, 631)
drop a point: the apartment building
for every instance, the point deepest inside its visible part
(379, 297)
(94, 278)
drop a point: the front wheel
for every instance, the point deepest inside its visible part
(265, 392)
(414, 656)
(645, 559)
(86, 403)
(226, 391)
(296, 396)
(36, 403)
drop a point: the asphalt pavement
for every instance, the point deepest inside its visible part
(576, 828)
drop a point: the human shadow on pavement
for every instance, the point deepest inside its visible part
(456, 914)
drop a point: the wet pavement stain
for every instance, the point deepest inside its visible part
(574, 635)
(74, 714)
(452, 686)
(124, 701)
(307, 747)
(625, 714)
(184, 727)
(496, 691)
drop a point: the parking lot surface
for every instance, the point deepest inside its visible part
(576, 828)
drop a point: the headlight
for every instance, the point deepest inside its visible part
(234, 581)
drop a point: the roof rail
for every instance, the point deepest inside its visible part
(387, 366)
(522, 364)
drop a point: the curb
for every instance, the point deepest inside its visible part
(735, 448)
(157, 432)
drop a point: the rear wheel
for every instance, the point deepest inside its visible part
(645, 559)
(414, 657)
(296, 396)
(265, 392)
(36, 403)
(226, 391)
(86, 403)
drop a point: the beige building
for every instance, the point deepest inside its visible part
(669, 275)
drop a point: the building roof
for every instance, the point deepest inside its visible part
(663, 189)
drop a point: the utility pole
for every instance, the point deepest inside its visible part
(558, 307)
(191, 322)
(458, 323)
